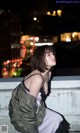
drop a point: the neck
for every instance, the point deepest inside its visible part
(46, 73)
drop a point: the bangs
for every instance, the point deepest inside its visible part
(50, 49)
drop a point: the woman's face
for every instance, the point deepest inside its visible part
(50, 59)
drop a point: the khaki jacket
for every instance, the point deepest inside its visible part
(22, 111)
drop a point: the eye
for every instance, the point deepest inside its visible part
(48, 54)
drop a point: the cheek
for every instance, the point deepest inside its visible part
(53, 60)
(47, 61)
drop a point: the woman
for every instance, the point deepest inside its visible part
(36, 86)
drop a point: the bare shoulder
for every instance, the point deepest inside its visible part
(36, 84)
(37, 78)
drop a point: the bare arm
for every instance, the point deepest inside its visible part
(50, 75)
(46, 83)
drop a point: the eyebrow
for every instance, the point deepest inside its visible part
(48, 51)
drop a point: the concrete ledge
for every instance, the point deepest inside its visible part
(64, 98)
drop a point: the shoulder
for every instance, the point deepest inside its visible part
(37, 78)
(35, 85)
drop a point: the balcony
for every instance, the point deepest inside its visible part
(64, 98)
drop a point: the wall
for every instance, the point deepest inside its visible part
(64, 98)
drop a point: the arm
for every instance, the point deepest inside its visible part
(46, 83)
(50, 75)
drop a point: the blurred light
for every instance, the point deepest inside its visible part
(54, 13)
(8, 61)
(74, 34)
(48, 13)
(36, 39)
(5, 74)
(59, 12)
(40, 44)
(68, 39)
(4, 69)
(15, 74)
(34, 18)
(31, 43)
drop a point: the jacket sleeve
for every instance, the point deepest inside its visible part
(23, 112)
(27, 109)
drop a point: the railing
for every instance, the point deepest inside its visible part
(64, 98)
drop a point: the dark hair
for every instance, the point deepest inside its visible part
(37, 59)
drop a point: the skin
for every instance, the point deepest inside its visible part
(34, 83)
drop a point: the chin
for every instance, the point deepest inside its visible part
(54, 64)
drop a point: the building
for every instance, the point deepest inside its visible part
(9, 35)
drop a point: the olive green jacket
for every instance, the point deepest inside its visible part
(22, 111)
